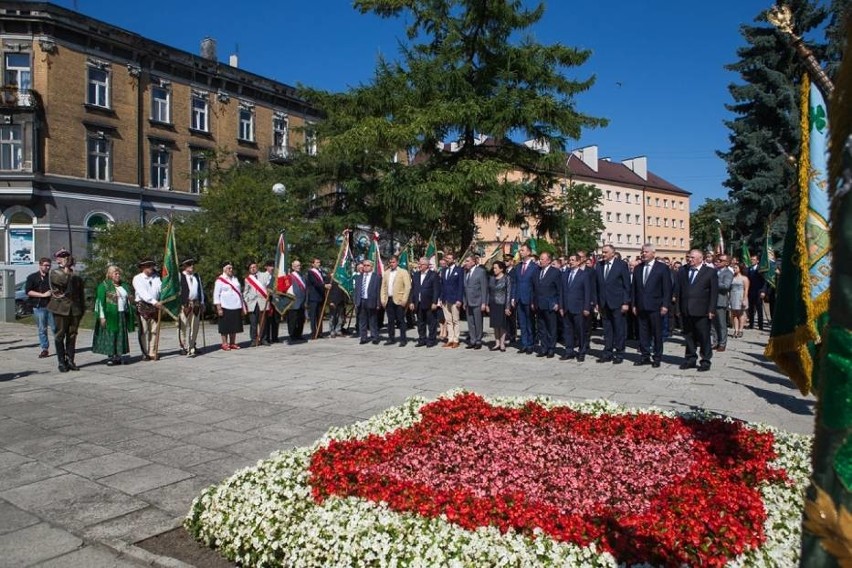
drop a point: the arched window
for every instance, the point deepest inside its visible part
(95, 223)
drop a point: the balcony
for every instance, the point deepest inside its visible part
(11, 96)
(279, 154)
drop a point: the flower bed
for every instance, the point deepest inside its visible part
(466, 481)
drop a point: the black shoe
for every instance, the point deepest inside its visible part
(403, 343)
(567, 356)
(470, 346)
(390, 342)
(550, 355)
(541, 354)
(431, 344)
(63, 369)
(604, 360)
(617, 360)
(655, 364)
(704, 367)
(363, 341)
(72, 366)
(420, 343)
(376, 341)
(478, 346)
(641, 362)
(687, 365)
(183, 351)
(581, 358)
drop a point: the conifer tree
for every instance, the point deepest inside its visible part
(467, 72)
(764, 132)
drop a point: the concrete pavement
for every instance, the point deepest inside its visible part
(94, 461)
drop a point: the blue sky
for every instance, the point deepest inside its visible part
(659, 63)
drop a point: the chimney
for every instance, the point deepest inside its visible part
(589, 156)
(234, 60)
(208, 48)
(639, 166)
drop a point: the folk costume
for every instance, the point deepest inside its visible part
(146, 289)
(228, 298)
(113, 307)
(192, 303)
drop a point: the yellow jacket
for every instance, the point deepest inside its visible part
(401, 287)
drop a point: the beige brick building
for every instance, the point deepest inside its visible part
(100, 125)
(638, 207)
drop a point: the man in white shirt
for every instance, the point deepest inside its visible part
(146, 289)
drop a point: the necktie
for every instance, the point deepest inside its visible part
(606, 270)
(524, 269)
(645, 272)
(692, 273)
(364, 286)
(541, 276)
(571, 277)
(467, 276)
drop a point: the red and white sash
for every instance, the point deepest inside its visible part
(257, 286)
(234, 288)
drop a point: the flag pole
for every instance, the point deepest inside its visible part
(343, 245)
(160, 308)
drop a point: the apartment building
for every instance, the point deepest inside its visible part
(100, 125)
(638, 206)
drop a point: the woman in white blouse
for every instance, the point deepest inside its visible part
(114, 317)
(228, 299)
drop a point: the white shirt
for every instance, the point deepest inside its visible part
(366, 283)
(228, 297)
(192, 286)
(147, 288)
(391, 279)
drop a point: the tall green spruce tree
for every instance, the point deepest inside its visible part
(765, 130)
(467, 72)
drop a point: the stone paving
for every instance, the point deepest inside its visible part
(94, 461)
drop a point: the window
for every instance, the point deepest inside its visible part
(160, 159)
(681, 241)
(311, 141)
(98, 87)
(200, 110)
(628, 238)
(658, 240)
(609, 237)
(608, 216)
(681, 205)
(17, 71)
(199, 169)
(681, 223)
(637, 198)
(618, 217)
(160, 103)
(666, 221)
(665, 203)
(11, 147)
(246, 126)
(280, 136)
(657, 201)
(618, 237)
(627, 198)
(618, 196)
(637, 239)
(95, 224)
(98, 150)
(638, 220)
(648, 201)
(658, 221)
(608, 195)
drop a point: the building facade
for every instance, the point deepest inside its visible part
(638, 207)
(100, 125)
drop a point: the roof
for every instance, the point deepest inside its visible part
(616, 172)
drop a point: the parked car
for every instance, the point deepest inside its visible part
(22, 304)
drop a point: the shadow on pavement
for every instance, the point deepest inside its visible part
(6, 377)
(794, 404)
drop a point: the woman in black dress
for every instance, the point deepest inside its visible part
(499, 296)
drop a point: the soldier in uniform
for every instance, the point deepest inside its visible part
(67, 303)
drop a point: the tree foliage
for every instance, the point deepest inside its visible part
(765, 129)
(463, 74)
(703, 225)
(581, 207)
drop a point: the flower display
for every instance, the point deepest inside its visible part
(518, 482)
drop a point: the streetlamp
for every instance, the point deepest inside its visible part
(279, 189)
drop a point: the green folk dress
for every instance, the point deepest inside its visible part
(112, 339)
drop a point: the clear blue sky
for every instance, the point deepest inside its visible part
(659, 63)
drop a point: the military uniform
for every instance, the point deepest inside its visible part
(67, 304)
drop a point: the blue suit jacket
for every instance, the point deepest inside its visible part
(656, 293)
(426, 294)
(577, 297)
(548, 289)
(452, 286)
(614, 291)
(316, 288)
(372, 299)
(522, 292)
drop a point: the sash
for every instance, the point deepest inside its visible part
(228, 282)
(299, 280)
(257, 286)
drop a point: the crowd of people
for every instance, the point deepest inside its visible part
(535, 303)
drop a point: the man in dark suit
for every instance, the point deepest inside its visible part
(547, 289)
(756, 285)
(697, 290)
(613, 296)
(652, 300)
(522, 297)
(475, 299)
(451, 297)
(315, 297)
(425, 289)
(296, 314)
(576, 305)
(367, 290)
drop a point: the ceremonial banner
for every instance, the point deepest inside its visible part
(806, 265)
(719, 245)
(767, 261)
(343, 273)
(170, 288)
(745, 256)
(515, 251)
(281, 299)
(374, 255)
(432, 253)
